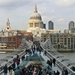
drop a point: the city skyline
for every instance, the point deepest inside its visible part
(18, 12)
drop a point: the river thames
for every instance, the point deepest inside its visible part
(69, 55)
(4, 55)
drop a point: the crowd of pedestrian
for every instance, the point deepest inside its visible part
(35, 49)
(50, 62)
(33, 69)
(11, 68)
(64, 71)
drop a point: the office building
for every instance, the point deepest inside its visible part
(71, 25)
(50, 25)
(44, 26)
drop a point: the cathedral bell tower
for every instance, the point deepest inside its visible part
(8, 28)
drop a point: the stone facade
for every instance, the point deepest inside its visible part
(35, 25)
(61, 41)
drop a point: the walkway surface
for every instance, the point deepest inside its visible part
(55, 68)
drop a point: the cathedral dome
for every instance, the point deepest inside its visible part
(36, 15)
(35, 20)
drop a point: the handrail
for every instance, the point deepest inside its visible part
(58, 62)
(9, 62)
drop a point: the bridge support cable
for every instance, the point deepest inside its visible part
(61, 61)
(9, 59)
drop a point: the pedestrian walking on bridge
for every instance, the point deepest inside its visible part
(57, 73)
(5, 69)
(63, 71)
(54, 61)
(66, 72)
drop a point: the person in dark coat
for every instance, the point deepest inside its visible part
(23, 57)
(66, 72)
(54, 61)
(63, 71)
(45, 52)
(18, 61)
(5, 69)
(50, 63)
(13, 66)
(57, 73)
(10, 68)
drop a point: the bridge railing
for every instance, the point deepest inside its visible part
(9, 59)
(58, 62)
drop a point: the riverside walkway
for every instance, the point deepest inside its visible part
(61, 61)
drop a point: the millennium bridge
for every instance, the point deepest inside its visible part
(51, 53)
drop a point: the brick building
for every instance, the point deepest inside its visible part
(13, 42)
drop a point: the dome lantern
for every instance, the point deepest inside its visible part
(35, 9)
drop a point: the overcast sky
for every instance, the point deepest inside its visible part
(61, 12)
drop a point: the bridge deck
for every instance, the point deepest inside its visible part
(45, 58)
(55, 68)
(61, 60)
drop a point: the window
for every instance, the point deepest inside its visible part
(31, 24)
(61, 39)
(68, 40)
(9, 39)
(37, 32)
(65, 41)
(69, 46)
(36, 24)
(14, 39)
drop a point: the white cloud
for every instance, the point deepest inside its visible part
(9, 4)
(19, 11)
(6, 1)
(53, 17)
(52, 11)
(45, 18)
(65, 3)
(61, 20)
